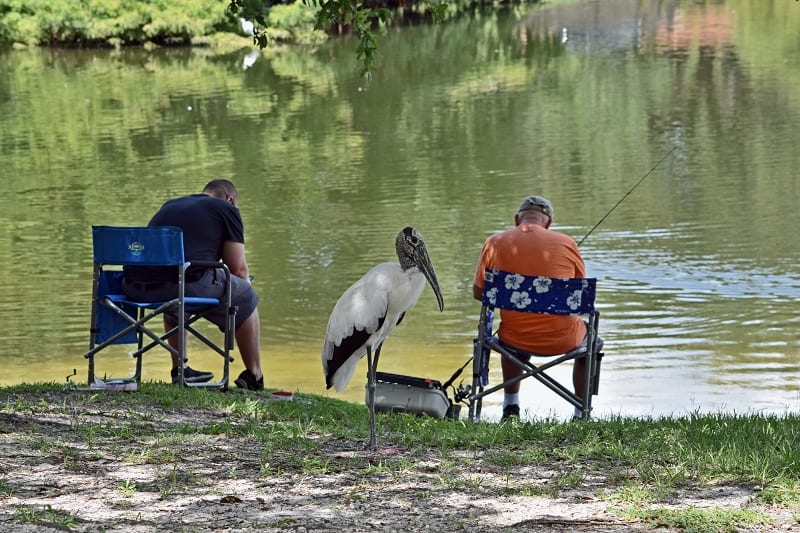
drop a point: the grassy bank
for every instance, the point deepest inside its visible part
(161, 444)
(114, 23)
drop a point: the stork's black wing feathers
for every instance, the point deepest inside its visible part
(348, 347)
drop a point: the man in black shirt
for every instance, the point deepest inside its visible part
(212, 230)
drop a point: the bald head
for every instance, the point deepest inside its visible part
(222, 189)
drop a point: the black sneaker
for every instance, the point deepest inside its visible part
(191, 375)
(247, 380)
(510, 411)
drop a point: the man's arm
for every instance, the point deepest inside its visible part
(477, 292)
(486, 257)
(233, 256)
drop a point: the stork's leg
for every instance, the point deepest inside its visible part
(372, 366)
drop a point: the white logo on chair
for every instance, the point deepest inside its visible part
(136, 248)
(520, 299)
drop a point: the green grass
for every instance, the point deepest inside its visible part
(46, 516)
(641, 463)
(695, 520)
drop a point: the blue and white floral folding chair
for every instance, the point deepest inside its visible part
(535, 294)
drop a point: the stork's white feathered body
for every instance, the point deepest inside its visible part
(370, 309)
(373, 305)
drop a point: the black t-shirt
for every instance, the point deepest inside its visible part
(207, 222)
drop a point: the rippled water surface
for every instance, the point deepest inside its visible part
(698, 267)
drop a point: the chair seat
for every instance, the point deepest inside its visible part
(191, 304)
(524, 355)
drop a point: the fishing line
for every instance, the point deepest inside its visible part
(628, 193)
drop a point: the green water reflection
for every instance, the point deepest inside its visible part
(698, 268)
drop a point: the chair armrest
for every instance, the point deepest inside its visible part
(209, 264)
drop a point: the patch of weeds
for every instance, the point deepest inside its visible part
(88, 430)
(459, 482)
(153, 455)
(279, 440)
(694, 520)
(266, 468)
(127, 488)
(663, 477)
(355, 495)
(571, 480)
(45, 444)
(448, 465)
(147, 417)
(412, 429)
(392, 467)
(140, 457)
(247, 408)
(127, 432)
(618, 476)
(180, 440)
(552, 487)
(506, 457)
(69, 457)
(299, 458)
(314, 464)
(373, 465)
(300, 431)
(45, 515)
(544, 489)
(420, 494)
(404, 466)
(784, 494)
(174, 481)
(6, 490)
(634, 494)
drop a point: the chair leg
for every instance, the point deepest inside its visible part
(90, 378)
(587, 386)
(596, 377)
(476, 392)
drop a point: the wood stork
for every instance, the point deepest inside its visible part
(368, 312)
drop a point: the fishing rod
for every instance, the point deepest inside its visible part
(628, 193)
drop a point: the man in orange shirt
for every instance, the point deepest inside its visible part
(531, 249)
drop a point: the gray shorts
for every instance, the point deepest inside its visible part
(210, 285)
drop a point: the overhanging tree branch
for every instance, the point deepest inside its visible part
(350, 14)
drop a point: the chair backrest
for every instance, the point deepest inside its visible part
(539, 294)
(158, 246)
(145, 246)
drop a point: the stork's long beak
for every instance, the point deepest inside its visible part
(423, 262)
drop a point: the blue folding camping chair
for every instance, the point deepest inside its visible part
(117, 319)
(535, 294)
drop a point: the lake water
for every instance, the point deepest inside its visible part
(699, 284)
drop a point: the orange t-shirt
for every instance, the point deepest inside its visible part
(532, 250)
